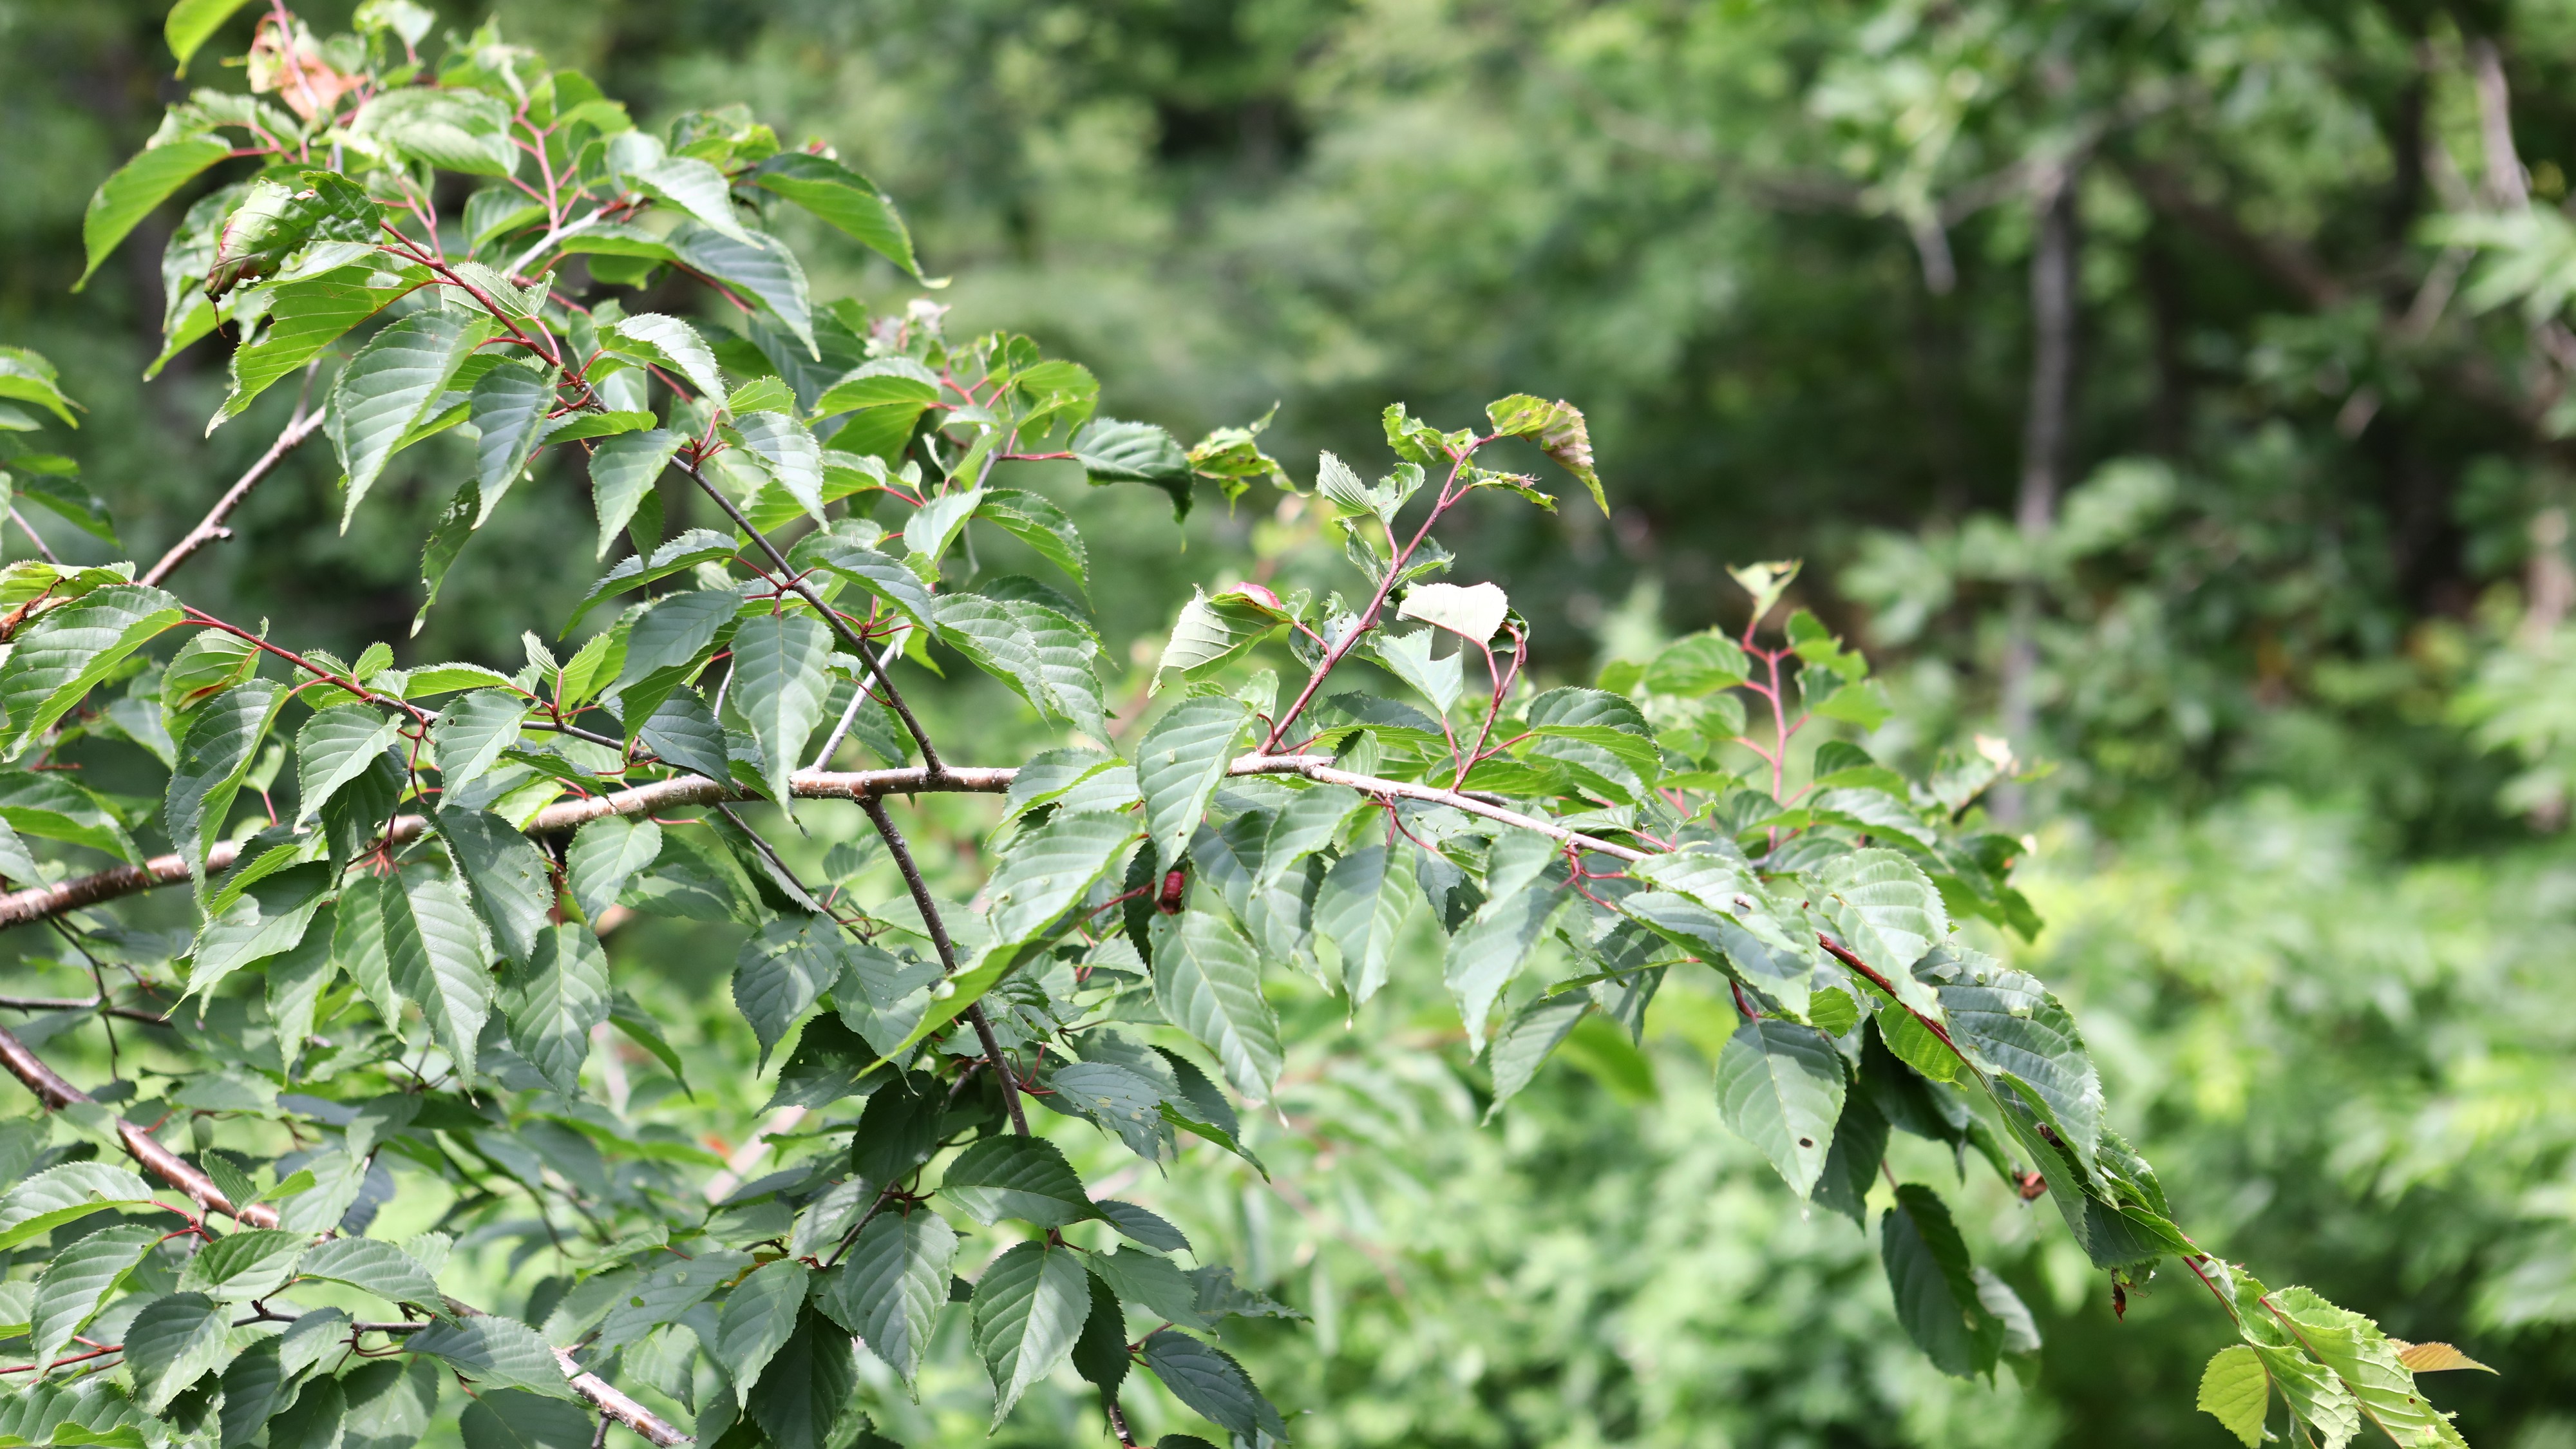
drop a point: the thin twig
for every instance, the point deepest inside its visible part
(33, 537)
(938, 929)
(211, 527)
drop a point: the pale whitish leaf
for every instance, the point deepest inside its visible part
(516, 1419)
(781, 970)
(674, 344)
(758, 1316)
(1048, 870)
(1408, 658)
(1361, 909)
(1212, 1384)
(788, 453)
(1780, 1086)
(605, 854)
(1179, 763)
(2237, 1393)
(1208, 983)
(1016, 1177)
(1474, 612)
(1029, 1308)
(75, 1285)
(495, 1352)
(1935, 1289)
(893, 1283)
(60, 1194)
(555, 1000)
(1528, 1039)
(172, 1343)
(222, 741)
(779, 686)
(335, 747)
(435, 958)
(373, 1266)
(622, 471)
(242, 1266)
(389, 388)
(508, 408)
(1490, 949)
(508, 875)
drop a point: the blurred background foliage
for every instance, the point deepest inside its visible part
(2281, 606)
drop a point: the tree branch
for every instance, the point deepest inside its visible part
(938, 929)
(174, 1170)
(211, 527)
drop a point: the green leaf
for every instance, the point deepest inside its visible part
(2367, 1363)
(677, 631)
(894, 1281)
(752, 265)
(780, 972)
(1029, 1308)
(371, 1265)
(214, 757)
(66, 650)
(1490, 949)
(555, 1000)
(452, 128)
(1361, 909)
(175, 1341)
(885, 399)
(62, 1194)
(1207, 982)
(1213, 630)
(1557, 427)
(76, 1284)
(1212, 1384)
(2011, 1026)
(1039, 523)
(758, 1316)
(192, 22)
(50, 807)
(496, 1353)
(1936, 1293)
(697, 546)
(622, 471)
(516, 1419)
(1017, 1177)
(508, 409)
(1179, 763)
(435, 958)
(255, 1388)
(2236, 1391)
(671, 343)
(1114, 452)
(696, 188)
(512, 887)
(245, 1265)
(877, 574)
(1888, 913)
(674, 1286)
(1115, 1098)
(1780, 1087)
(269, 917)
(605, 854)
(1528, 1039)
(801, 1401)
(1852, 1167)
(335, 747)
(27, 377)
(1100, 1352)
(389, 388)
(779, 685)
(1048, 870)
(309, 310)
(471, 734)
(140, 185)
(787, 452)
(842, 198)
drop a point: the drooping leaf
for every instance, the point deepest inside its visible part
(780, 972)
(435, 958)
(139, 186)
(1016, 1177)
(779, 686)
(843, 198)
(1528, 1039)
(508, 409)
(2236, 1391)
(335, 747)
(495, 1352)
(1179, 762)
(1029, 1308)
(758, 1316)
(807, 1388)
(388, 389)
(177, 1339)
(1780, 1086)
(243, 1266)
(77, 1282)
(1048, 869)
(604, 855)
(517, 1419)
(1361, 909)
(1212, 1384)
(752, 265)
(269, 917)
(1936, 1292)
(1489, 950)
(1214, 629)
(622, 471)
(512, 888)
(893, 1282)
(1036, 521)
(192, 22)
(56, 659)
(1207, 981)
(1100, 1350)
(472, 732)
(222, 741)
(555, 1000)
(373, 1266)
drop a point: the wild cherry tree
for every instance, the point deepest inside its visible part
(395, 968)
